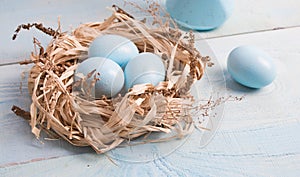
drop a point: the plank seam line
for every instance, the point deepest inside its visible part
(251, 32)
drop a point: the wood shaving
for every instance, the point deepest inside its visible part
(105, 123)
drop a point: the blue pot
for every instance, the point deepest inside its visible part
(199, 14)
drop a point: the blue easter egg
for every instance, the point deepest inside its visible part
(115, 47)
(111, 76)
(251, 67)
(200, 14)
(144, 68)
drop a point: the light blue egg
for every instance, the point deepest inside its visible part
(111, 76)
(251, 67)
(200, 14)
(144, 68)
(115, 47)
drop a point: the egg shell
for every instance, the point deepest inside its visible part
(200, 14)
(251, 67)
(144, 68)
(115, 47)
(111, 76)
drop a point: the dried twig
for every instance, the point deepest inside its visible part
(20, 112)
(38, 26)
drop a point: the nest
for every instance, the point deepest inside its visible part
(105, 123)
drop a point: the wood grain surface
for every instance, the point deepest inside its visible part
(258, 136)
(246, 17)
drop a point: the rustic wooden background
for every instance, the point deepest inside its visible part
(258, 136)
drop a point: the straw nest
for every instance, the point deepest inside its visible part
(105, 123)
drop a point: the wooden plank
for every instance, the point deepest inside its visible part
(247, 17)
(244, 152)
(258, 135)
(282, 46)
(17, 141)
(71, 13)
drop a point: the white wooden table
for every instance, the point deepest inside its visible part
(258, 136)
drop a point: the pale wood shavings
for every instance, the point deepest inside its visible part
(105, 123)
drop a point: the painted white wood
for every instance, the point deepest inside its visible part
(248, 16)
(71, 12)
(18, 145)
(259, 136)
(282, 45)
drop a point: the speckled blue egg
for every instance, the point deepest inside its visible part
(110, 74)
(251, 67)
(144, 68)
(115, 47)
